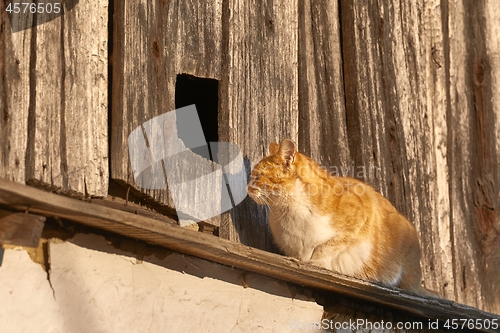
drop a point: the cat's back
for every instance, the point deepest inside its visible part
(349, 196)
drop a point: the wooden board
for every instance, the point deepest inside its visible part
(419, 104)
(259, 96)
(152, 43)
(228, 253)
(386, 104)
(474, 113)
(322, 115)
(54, 101)
(15, 52)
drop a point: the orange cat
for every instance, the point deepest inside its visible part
(338, 223)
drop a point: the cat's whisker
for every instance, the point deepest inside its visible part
(266, 200)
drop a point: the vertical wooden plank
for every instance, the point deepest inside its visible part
(153, 42)
(419, 103)
(85, 80)
(131, 105)
(366, 99)
(15, 79)
(492, 35)
(368, 104)
(415, 58)
(46, 134)
(259, 103)
(396, 116)
(492, 15)
(322, 117)
(474, 177)
(60, 122)
(433, 220)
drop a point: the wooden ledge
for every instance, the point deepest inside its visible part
(22, 197)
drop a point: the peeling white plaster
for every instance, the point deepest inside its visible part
(100, 289)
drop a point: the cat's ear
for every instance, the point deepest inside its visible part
(273, 148)
(287, 151)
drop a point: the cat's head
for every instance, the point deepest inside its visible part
(273, 178)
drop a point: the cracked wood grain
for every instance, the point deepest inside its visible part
(53, 98)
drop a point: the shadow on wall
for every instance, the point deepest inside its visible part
(138, 252)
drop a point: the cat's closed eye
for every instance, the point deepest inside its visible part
(279, 174)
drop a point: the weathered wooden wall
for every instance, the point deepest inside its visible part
(53, 100)
(419, 93)
(408, 90)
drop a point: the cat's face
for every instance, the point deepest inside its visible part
(273, 177)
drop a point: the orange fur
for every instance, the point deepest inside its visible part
(338, 223)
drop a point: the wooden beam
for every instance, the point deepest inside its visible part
(171, 236)
(20, 229)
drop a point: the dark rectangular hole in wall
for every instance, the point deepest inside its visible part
(203, 93)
